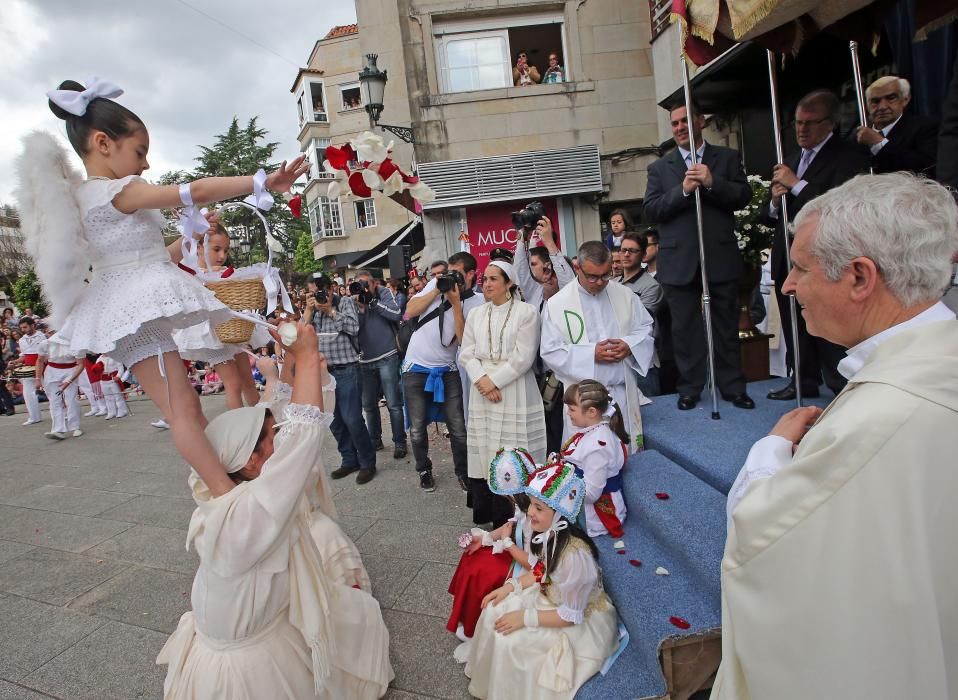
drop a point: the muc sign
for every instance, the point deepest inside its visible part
(490, 226)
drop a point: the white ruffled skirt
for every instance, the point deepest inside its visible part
(339, 554)
(156, 297)
(545, 663)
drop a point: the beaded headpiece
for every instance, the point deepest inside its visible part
(560, 486)
(509, 471)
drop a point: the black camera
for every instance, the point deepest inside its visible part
(526, 219)
(444, 283)
(322, 296)
(360, 291)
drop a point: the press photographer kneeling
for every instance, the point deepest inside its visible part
(337, 324)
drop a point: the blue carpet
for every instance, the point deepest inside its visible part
(715, 450)
(686, 535)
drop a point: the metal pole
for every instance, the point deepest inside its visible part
(706, 296)
(859, 88)
(783, 213)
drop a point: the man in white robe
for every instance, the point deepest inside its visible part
(597, 329)
(840, 578)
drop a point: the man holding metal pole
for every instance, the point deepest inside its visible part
(718, 176)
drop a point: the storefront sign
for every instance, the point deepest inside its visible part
(490, 226)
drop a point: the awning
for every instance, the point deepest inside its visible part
(378, 256)
(528, 176)
(336, 260)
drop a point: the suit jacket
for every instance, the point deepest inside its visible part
(948, 138)
(837, 162)
(674, 214)
(912, 145)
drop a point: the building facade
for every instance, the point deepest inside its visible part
(489, 139)
(330, 111)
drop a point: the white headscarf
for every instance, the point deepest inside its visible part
(506, 267)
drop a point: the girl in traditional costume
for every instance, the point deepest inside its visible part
(267, 621)
(492, 557)
(200, 342)
(543, 634)
(598, 449)
(136, 297)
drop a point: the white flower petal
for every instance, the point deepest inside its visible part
(372, 179)
(422, 192)
(661, 571)
(335, 189)
(393, 184)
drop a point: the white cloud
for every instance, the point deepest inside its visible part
(184, 74)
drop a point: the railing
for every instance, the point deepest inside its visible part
(660, 11)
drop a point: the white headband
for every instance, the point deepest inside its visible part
(76, 102)
(505, 267)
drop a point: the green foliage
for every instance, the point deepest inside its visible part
(303, 260)
(27, 293)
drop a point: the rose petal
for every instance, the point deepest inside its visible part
(662, 496)
(618, 544)
(335, 189)
(227, 272)
(620, 551)
(358, 185)
(387, 168)
(661, 571)
(635, 562)
(295, 205)
(393, 184)
(339, 156)
(679, 622)
(422, 193)
(372, 179)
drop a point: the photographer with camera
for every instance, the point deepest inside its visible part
(337, 324)
(379, 313)
(430, 373)
(540, 273)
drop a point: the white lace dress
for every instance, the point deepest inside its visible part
(136, 297)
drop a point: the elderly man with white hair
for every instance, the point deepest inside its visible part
(839, 578)
(896, 140)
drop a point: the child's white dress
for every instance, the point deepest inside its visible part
(546, 663)
(600, 454)
(137, 296)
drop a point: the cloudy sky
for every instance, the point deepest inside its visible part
(185, 74)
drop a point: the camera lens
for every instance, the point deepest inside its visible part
(322, 297)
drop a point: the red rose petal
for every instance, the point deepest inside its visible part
(339, 157)
(295, 205)
(387, 168)
(679, 622)
(635, 562)
(186, 269)
(227, 272)
(662, 496)
(620, 551)
(358, 185)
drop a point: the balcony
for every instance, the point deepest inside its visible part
(661, 11)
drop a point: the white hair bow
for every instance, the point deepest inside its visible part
(610, 410)
(261, 198)
(76, 102)
(558, 525)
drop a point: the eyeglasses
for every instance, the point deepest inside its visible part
(799, 123)
(630, 251)
(595, 279)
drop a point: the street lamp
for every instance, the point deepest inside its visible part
(372, 82)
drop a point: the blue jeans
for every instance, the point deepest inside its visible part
(383, 375)
(418, 401)
(348, 426)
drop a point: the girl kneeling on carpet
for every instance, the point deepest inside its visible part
(492, 557)
(599, 450)
(544, 634)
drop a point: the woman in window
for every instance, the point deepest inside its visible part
(555, 73)
(524, 73)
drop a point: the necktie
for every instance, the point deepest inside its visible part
(688, 160)
(807, 154)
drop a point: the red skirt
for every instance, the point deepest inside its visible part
(476, 576)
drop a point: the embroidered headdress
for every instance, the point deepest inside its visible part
(509, 471)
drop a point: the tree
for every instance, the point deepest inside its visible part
(13, 255)
(27, 293)
(303, 260)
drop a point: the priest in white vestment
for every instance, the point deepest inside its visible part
(597, 329)
(840, 574)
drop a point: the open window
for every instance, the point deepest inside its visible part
(350, 96)
(311, 103)
(365, 213)
(316, 153)
(325, 218)
(484, 53)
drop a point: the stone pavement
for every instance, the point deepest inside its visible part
(94, 573)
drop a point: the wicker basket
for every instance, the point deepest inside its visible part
(239, 295)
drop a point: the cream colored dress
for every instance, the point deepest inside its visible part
(518, 420)
(267, 620)
(546, 663)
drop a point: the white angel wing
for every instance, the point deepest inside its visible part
(51, 222)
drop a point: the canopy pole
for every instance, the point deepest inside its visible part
(706, 295)
(783, 213)
(859, 88)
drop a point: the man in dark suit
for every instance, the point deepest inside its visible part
(670, 202)
(895, 140)
(825, 161)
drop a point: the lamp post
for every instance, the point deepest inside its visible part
(372, 83)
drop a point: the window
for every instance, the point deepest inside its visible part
(365, 213)
(311, 102)
(316, 152)
(350, 96)
(325, 218)
(482, 54)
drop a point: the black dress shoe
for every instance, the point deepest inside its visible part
(342, 471)
(365, 476)
(687, 402)
(742, 400)
(787, 393)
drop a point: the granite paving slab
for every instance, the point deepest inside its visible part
(154, 510)
(390, 576)
(422, 657)
(71, 533)
(428, 592)
(54, 577)
(66, 499)
(426, 541)
(154, 547)
(9, 550)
